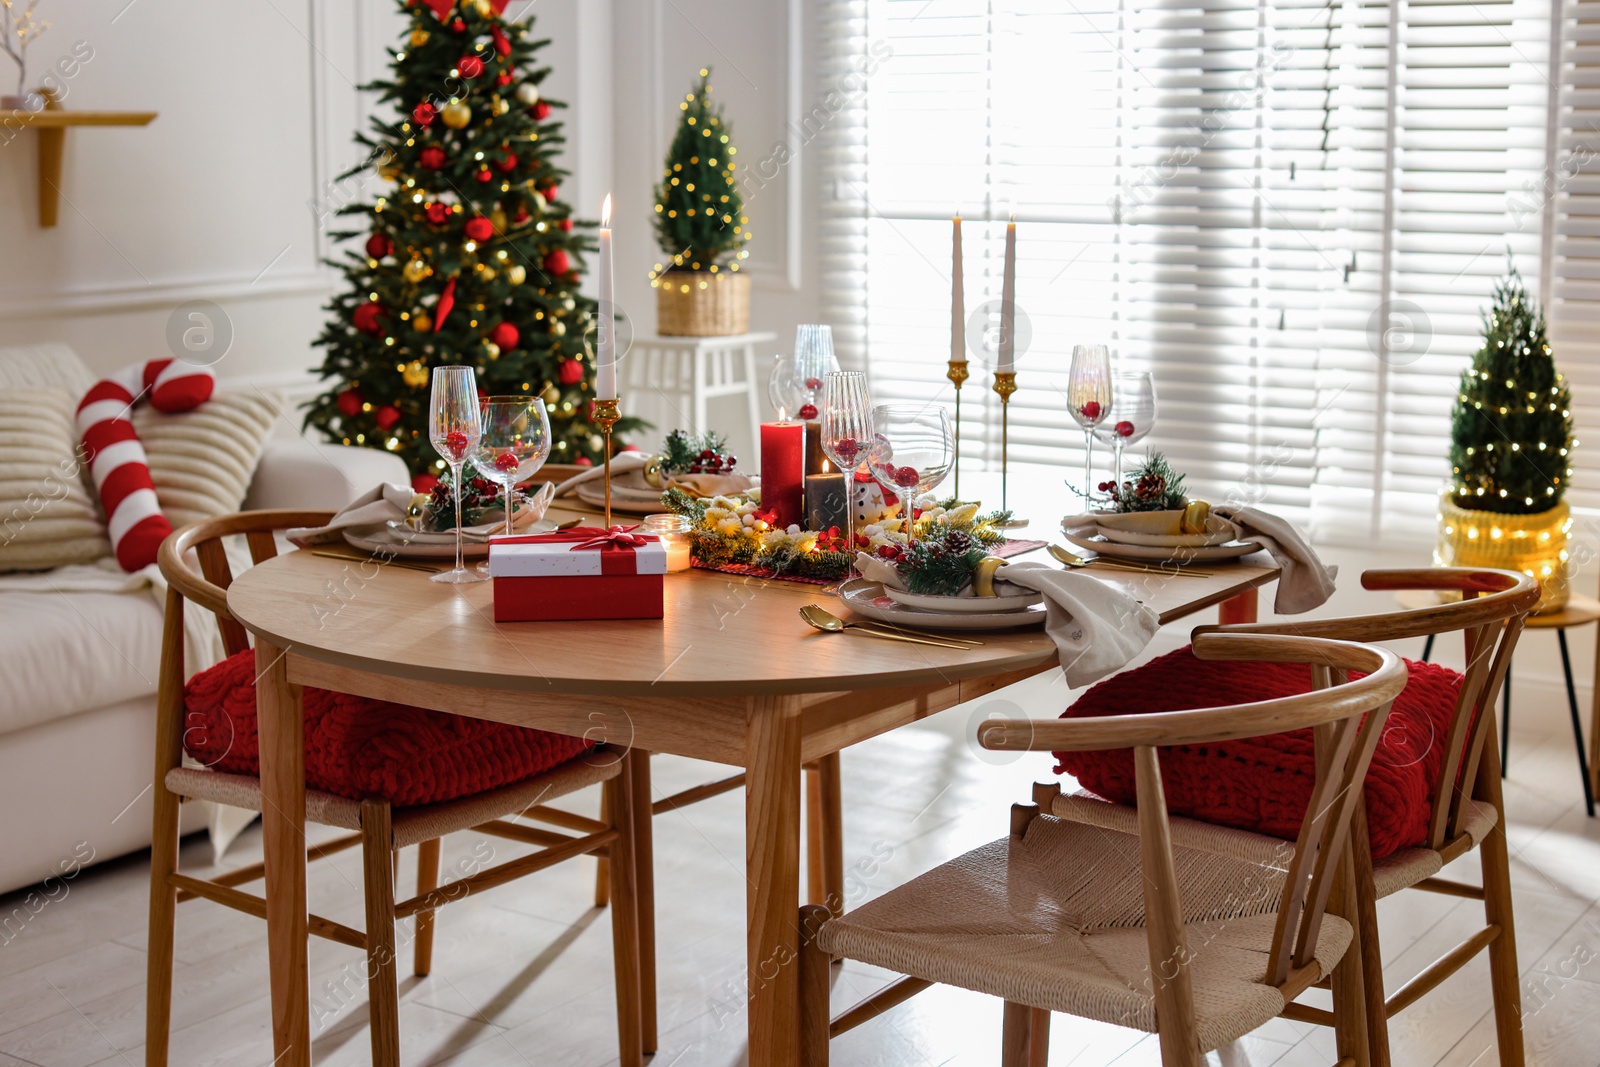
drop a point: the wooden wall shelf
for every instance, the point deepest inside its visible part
(52, 124)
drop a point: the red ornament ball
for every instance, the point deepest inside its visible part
(433, 158)
(479, 228)
(386, 417)
(469, 66)
(424, 114)
(350, 403)
(540, 111)
(583, 461)
(502, 79)
(522, 218)
(509, 163)
(905, 477)
(505, 335)
(1124, 428)
(813, 384)
(550, 191)
(368, 318)
(379, 245)
(566, 225)
(437, 213)
(1091, 410)
(485, 175)
(458, 26)
(556, 261)
(424, 483)
(570, 372)
(455, 444)
(506, 463)
(808, 411)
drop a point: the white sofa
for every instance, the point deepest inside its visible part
(78, 684)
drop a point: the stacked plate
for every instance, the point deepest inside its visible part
(1118, 538)
(873, 600)
(397, 539)
(630, 494)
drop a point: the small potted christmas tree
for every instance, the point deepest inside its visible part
(701, 226)
(1510, 453)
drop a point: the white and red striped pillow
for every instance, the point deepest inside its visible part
(117, 460)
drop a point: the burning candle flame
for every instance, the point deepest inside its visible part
(605, 213)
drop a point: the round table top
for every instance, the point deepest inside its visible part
(723, 635)
(1580, 610)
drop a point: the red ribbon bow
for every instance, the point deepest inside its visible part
(616, 537)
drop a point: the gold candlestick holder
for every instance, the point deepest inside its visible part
(1005, 383)
(606, 414)
(957, 375)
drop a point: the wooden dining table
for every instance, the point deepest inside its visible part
(731, 674)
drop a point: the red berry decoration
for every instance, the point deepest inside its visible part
(455, 443)
(424, 114)
(386, 417)
(479, 228)
(433, 158)
(505, 335)
(540, 111)
(349, 403)
(556, 261)
(368, 318)
(379, 245)
(506, 463)
(485, 175)
(566, 225)
(509, 163)
(570, 372)
(905, 477)
(469, 66)
(458, 26)
(1091, 410)
(437, 213)
(1124, 428)
(424, 483)
(808, 411)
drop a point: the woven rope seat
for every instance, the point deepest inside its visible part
(1055, 920)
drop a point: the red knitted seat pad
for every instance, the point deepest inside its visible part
(361, 748)
(1264, 783)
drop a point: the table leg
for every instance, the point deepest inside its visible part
(280, 726)
(1577, 723)
(831, 825)
(645, 883)
(772, 870)
(1594, 722)
(1238, 610)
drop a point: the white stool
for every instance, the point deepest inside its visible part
(668, 380)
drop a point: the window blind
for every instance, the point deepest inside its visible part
(1290, 211)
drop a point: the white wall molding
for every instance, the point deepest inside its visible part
(112, 299)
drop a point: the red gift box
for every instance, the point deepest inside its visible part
(581, 573)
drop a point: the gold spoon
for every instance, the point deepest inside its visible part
(819, 618)
(1062, 555)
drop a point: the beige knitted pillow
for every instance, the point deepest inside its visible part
(48, 517)
(202, 460)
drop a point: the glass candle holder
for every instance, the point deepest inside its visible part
(674, 533)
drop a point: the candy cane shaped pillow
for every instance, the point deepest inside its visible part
(116, 458)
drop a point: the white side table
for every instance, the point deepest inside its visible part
(669, 380)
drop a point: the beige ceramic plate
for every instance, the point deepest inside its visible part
(866, 598)
(594, 495)
(963, 605)
(383, 541)
(1161, 553)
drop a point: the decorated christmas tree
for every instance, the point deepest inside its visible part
(700, 221)
(469, 257)
(1511, 431)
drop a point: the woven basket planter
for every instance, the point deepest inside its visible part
(1533, 544)
(701, 304)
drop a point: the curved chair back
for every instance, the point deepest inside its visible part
(1490, 616)
(1347, 718)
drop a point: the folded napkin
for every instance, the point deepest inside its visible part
(621, 463)
(1306, 581)
(697, 485)
(390, 501)
(1097, 628)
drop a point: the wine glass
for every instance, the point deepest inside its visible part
(1089, 400)
(846, 433)
(785, 388)
(454, 426)
(514, 445)
(1133, 414)
(912, 451)
(813, 362)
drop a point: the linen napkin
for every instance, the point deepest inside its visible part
(1097, 628)
(697, 485)
(621, 463)
(1306, 581)
(389, 501)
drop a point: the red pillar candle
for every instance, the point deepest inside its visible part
(782, 467)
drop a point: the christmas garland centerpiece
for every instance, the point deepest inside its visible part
(481, 503)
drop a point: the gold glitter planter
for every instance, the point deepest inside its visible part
(700, 304)
(1533, 544)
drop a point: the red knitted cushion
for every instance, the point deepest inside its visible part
(1264, 783)
(357, 747)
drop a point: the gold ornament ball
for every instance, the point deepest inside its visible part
(456, 115)
(527, 94)
(497, 218)
(558, 328)
(596, 442)
(569, 303)
(415, 375)
(415, 271)
(492, 349)
(417, 510)
(518, 274)
(539, 200)
(389, 171)
(551, 397)
(421, 321)
(484, 8)
(500, 106)
(419, 37)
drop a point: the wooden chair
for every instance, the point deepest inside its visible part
(1468, 811)
(1200, 941)
(380, 830)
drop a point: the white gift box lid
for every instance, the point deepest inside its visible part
(565, 559)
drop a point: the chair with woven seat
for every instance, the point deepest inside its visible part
(1433, 793)
(1198, 942)
(368, 771)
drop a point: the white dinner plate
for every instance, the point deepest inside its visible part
(1161, 553)
(1217, 532)
(964, 605)
(383, 541)
(867, 598)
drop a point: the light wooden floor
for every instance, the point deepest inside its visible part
(522, 975)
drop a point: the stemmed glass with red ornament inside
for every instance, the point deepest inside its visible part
(846, 434)
(514, 444)
(1089, 400)
(454, 427)
(1133, 414)
(912, 450)
(812, 362)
